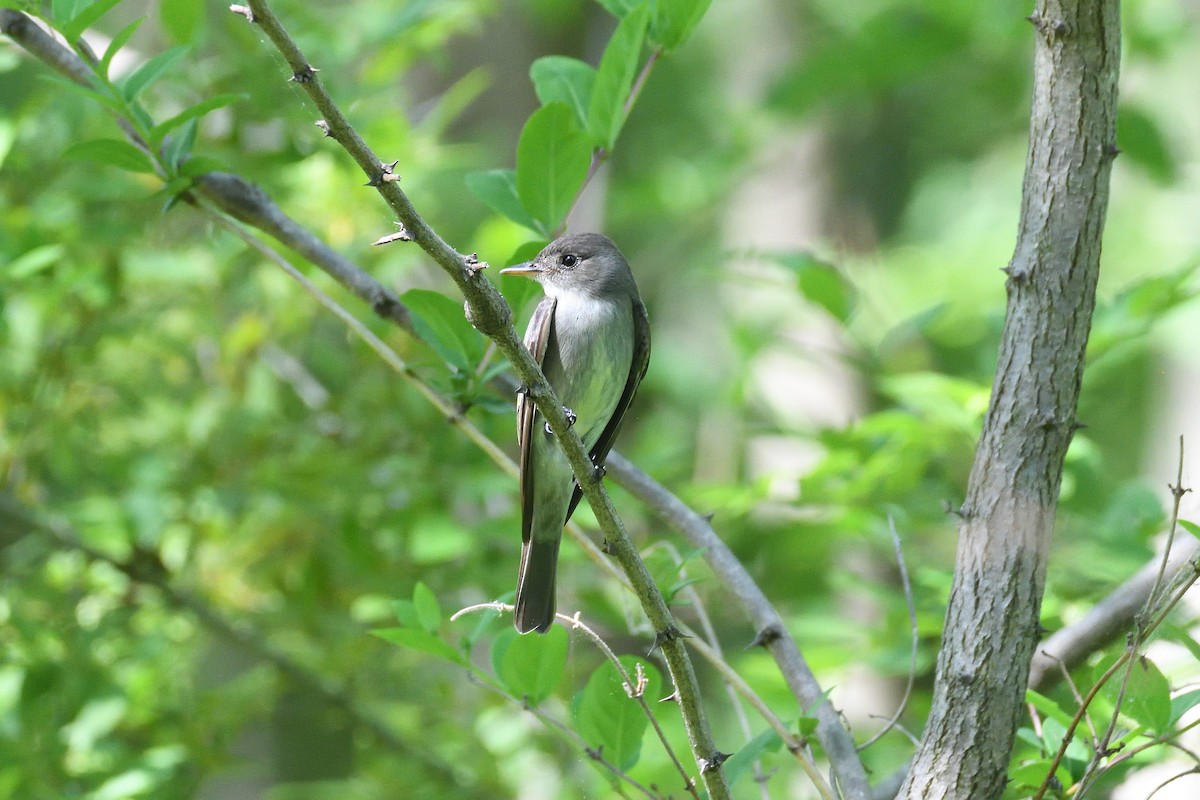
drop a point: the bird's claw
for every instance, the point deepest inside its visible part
(569, 414)
(598, 470)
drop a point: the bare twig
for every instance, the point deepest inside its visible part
(912, 624)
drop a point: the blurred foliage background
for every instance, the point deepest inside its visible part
(817, 198)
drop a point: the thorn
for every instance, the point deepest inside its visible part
(766, 636)
(664, 637)
(1111, 150)
(244, 11)
(949, 509)
(594, 753)
(606, 547)
(399, 236)
(305, 74)
(709, 516)
(673, 697)
(474, 265)
(713, 762)
(324, 126)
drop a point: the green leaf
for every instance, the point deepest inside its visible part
(442, 325)
(201, 165)
(619, 8)
(182, 19)
(1184, 703)
(1047, 706)
(565, 80)
(674, 21)
(606, 716)
(114, 152)
(34, 261)
(196, 111)
(425, 603)
(118, 42)
(614, 78)
(739, 763)
(552, 162)
(530, 667)
(180, 145)
(417, 639)
(498, 189)
(1147, 699)
(1031, 775)
(63, 11)
(821, 283)
(135, 83)
(1190, 527)
(84, 18)
(1141, 139)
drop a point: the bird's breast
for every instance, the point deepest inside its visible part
(594, 343)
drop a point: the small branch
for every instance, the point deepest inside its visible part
(771, 631)
(916, 639)
(577, 624)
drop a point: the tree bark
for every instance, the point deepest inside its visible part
(1012, 496)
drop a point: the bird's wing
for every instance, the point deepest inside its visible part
(637, 369)
(537, 338)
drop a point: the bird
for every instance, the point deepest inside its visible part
(591, 336)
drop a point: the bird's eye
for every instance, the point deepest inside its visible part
(569, 260)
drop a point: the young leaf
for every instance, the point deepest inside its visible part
(118, 41)
(606, 716)
(619, 8)
(821, 283)
(530, 667)
(441, 324)
(425, 603)
(567, 80)
(498, 189)
(740, 762)
(34, 261)
(614, 78)
(674, 21)
(63, 11)
(178, 148)
(187, 115)
(84, 18)
(152, 70)
(552, 162)
(417, 639)
(114, 152)
(1190, 527)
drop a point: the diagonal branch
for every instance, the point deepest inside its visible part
(491, 315)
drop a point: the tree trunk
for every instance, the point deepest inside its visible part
(1008, 516)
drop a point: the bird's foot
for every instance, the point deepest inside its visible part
(570, 415)
(598, 469)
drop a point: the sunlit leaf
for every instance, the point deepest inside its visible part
(498, 189)
(137, 81)
(565, 80)
(531, 667)
(114, 152)
(606, 716)
(614, 78)
(552, 161)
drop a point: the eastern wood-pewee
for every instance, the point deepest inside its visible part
(592, 338)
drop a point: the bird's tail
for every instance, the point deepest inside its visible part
(535, 585)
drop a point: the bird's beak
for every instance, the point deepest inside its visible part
(526, 268)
